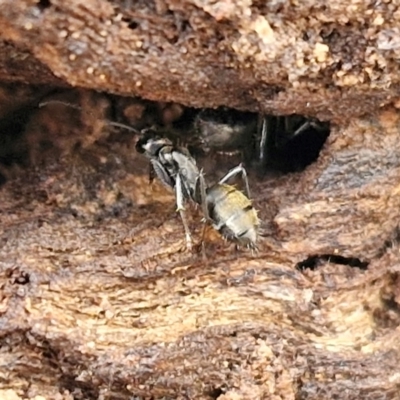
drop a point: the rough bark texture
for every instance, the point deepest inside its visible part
(97, 300)
(310, 57)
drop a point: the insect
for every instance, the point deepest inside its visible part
(226, 131)
(228, 209)
(278, 143)
(175, 167)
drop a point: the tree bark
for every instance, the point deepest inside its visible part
(97, 298)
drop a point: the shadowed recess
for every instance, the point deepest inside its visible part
(314, 262)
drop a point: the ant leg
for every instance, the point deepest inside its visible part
(152, 173)
(201, 198)
(186, 228)
(266, 130)
(267, 138)
(238, 170)
(201, 194)
(181, 209)
(64, 103)
(317, 125)
(302, 128)
(161, 172)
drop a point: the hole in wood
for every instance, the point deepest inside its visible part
(44, 4)
(314, 262)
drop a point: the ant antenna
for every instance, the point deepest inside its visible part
(76, 107)
(64, 103)
(119, 125)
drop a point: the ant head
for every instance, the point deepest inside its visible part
(150, 142)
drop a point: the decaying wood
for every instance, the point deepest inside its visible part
(331, 61)
(99, 301)
(97, 298)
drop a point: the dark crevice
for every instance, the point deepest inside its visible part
(314, 262)
(264, 143)
(215, 393)
(269, 143)
(3, 179)
(131, 24)
(14, 148)
(388, 315)
(295, 142)
(17, 276)
(391, 304)
(44, 4)
(12, 126)
(390, 242)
